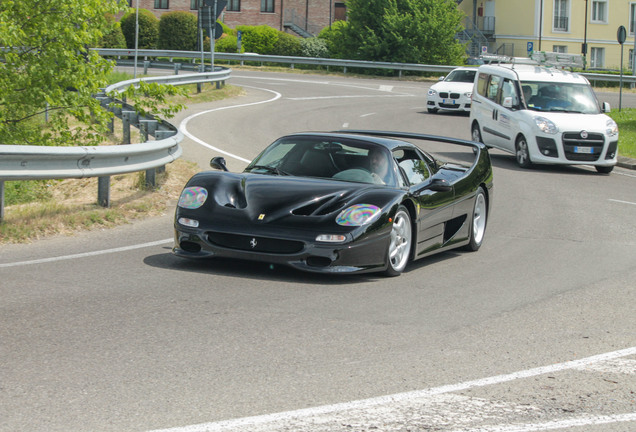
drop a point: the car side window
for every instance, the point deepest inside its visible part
(494, 87)
(414, 168)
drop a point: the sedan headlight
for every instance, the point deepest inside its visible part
(432, 92)
(358, 215)
(193, 197)
(612, 128)
(546, 125)
(468, 94)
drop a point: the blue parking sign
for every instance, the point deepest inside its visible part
(530, 47)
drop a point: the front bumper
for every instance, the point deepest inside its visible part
(357, 256)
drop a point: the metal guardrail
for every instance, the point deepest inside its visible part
(23, 162)
(176, 57)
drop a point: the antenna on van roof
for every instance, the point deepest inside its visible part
(559, 60)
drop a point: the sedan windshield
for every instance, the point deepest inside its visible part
(466, 76)
(566, 97)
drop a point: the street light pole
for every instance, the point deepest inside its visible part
(585, 39)
(136, 38)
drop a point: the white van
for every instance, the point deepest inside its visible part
(543, 115)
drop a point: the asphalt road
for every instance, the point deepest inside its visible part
(107, 331)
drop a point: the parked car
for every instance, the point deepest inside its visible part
(542, 115)
(453, 92)
(343, 202)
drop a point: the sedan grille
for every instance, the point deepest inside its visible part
(255, 243)
(579, 146)
(446, 95)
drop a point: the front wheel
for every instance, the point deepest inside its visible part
(522, 153)
(478, 221)
(432, 110)
(400, 243)
(604, 169)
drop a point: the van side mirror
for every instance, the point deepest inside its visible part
(606, 107)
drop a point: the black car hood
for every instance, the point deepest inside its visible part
(268, 198)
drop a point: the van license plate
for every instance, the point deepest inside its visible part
(586, 150)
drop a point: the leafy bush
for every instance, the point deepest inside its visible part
(314, 47)
(148, 29)
(227, 44)
(287, 45)
(334, 39)
(113, 37)
(259, 39)
(178, 31)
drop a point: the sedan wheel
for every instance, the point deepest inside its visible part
(478, 222)
(522, 153)
(400, 244)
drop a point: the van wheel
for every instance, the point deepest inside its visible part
(522, 153)
(476, 135)
(604, 169)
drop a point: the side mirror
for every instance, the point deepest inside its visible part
(441, 78)
(606, 107)
(437, 185)
(218, 163)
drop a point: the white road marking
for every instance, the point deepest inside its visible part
(367, 115)
(313, 418)
(184, 124)
(86, 254)
(619, 366)
(347, 97)
(622, 202)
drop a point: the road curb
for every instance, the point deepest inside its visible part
(625, 162)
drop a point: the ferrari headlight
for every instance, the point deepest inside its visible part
(546, 125)
(612, 128)
(193, 197)
(358, 215)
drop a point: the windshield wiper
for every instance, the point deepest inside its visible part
(270, 169)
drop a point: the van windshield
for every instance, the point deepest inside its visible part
(566, 97)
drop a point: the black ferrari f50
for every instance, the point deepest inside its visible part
(341, 202)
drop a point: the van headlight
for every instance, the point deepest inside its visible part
(612, 128)
(545, 125)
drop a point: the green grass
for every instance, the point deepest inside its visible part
(626, 120)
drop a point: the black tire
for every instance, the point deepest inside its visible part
(522, 153)
(399, 251)
(432, 110)
(478, 221)
(604, 169)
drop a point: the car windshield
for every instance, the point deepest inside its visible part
(565, 97)
(466, 76)
(324, 157)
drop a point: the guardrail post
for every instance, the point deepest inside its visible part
(1, 200)
(151, 177)
(127, 117)
(177, 66)
(103, 191)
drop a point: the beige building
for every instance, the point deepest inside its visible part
(512, 27)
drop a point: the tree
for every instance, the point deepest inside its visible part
(404, 31)
(47, 70)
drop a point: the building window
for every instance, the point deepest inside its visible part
(561, 15)
(161, 4)
(195, 4)
(267, 5)
(233, 5)
(597, 58)
(599, 11)
(560, 49)
(632, 15)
